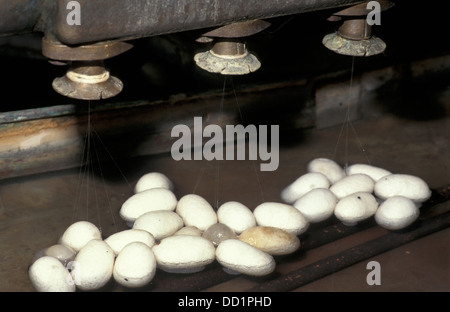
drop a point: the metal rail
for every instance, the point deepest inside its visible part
(346, 258)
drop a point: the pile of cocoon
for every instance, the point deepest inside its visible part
(185, 235)
(357, 193)
(173, 235)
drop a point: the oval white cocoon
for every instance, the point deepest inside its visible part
(160, 223)
(135, 265)
(242, 257)
(328, 168)
(184, 253)
(48, 274)
(79, 234)
(303, 185)
(236, 216)
(196, 211)
(396, 213)
(189, 230)
(352, 184)
(317, 205)
(120, 239)
(404, 185)
(355, 208)
(145, 201)
(93, 265)
(153, 180)
(375, 173)
(283, 216)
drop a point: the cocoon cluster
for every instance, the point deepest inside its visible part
(186, 235)
(356, 194)
(177, 236)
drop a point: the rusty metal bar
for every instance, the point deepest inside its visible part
(116, 19)
(112, 19)
(143, 127)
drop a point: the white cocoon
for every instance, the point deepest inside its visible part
(236, 216)
(135, 266)
(317, 205)
(189, 230)
(196, 211)
(355, 208)
(93, 265)
(282, 216)
(48, 274)
(244, 258)
(153, 180)
(396, 213)
(120, 239)
(352, 184)
(160, 223)
(79, 234)
(328, 168)
(145, 201)
(184, 253)
(303, 185)
(405, 185)
(375, 173)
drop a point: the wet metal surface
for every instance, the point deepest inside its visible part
(35, 210)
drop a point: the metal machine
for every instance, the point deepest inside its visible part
(125, 73)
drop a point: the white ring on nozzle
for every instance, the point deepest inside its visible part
(90, 79)
(230, 57)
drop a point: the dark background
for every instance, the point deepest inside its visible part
(291, 48)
